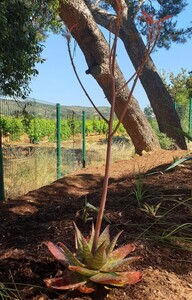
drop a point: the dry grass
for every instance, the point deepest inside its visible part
(26, 170)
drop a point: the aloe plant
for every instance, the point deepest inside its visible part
(84, 270)
(96, 260)
(151, 210)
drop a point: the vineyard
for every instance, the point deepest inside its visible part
(29, 142)
(39, 128)
(30, 148)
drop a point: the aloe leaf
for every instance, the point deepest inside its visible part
(117, 279)
(95, 209)
(113, 242)
(104, 237)
(178, 162)
(87, 255)
(70, 257)
(120, 265)
(68, 280)
(100, 257)
(78, 238)
(83, 271)
(91, 237)
(121, 252)
(58, 253)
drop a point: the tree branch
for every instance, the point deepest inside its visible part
(81, 84)
(102, 17)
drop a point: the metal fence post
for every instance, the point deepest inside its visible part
(2, 194)
(83, 139)
(58, 130)
(190, 119)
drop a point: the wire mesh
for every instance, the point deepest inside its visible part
(29, 144)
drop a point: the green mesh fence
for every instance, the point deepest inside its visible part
(29, 145)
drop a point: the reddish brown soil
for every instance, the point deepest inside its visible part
(46, 214)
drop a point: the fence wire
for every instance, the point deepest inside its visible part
(28, 129)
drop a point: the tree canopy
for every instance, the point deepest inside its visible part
(23, 27)
(19, 47)
(170, 32)
(179, 85)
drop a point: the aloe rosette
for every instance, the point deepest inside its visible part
(84, 269)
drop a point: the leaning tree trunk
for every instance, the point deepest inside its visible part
(90, 39)
(156, 91)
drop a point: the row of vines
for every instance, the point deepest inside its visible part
(39, 128)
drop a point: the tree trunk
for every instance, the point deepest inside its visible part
(156, 91)
(90, 39)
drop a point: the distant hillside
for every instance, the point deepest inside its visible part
(46, 110)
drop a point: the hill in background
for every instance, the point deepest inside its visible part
(42, 109)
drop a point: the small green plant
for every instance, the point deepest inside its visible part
(139, 190)
(151, 210)
(84, 213)
(178, 163)
(164, 141)
(106, 266)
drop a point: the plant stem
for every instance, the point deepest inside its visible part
(108, 155)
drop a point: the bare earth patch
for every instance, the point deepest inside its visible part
(46, 214)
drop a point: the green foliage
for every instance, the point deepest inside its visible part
(19, 47)
(11, 127)
(170, 30)
(88, 208)
(148, 112)
(65, 130)
(151, 210)
(165, 142)
(38, 128)
(106, 266)
(24, 25)
(139, 190)
(179, 86)
(178, 162)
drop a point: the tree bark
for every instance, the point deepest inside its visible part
(159, 98)
(90, 39)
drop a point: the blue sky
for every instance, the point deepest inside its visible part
(57, 83)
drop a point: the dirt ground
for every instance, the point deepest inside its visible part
(46, 214)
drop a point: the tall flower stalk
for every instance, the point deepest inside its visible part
(96, 260)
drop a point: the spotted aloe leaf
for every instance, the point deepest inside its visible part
(83, 271)
(119, 265)
(121, 252)
(86, 252)
(99, 258)
(117, 278)
(104, 237)
(82, 246)
(91, 237)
